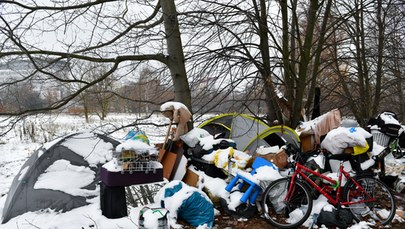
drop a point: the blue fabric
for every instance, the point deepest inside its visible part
(171, 191)
(196, 210)
(137, 135)
(259, 162)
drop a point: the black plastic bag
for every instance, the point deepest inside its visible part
(246, 211)
(341, 218)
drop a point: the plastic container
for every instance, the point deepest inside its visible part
(155, 213)
(380, 138)
(152, 173)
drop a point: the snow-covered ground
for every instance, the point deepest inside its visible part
(17, 146)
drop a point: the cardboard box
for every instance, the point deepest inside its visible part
(170, 157)
(191, 178)
(308, 143)
(168, 160)
(280, 159)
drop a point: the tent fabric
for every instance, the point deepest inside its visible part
(284, 133)
(241, 128)
(249, 132)
(24, 197)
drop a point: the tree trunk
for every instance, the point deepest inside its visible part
(274, 112)
(380, 53)
(86, 108)
(287, 68)
(175, 59)
(401, 98)
(317, 62)
(316, 112)
(297, 105)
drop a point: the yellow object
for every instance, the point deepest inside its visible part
(359, 149)
(221, 158)
(220, 162)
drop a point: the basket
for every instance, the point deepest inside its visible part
(131, 160)
(380, 138)
(131, 167)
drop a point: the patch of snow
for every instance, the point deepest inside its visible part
(216, 187)
(388, 118)
(176, 105)
(14, 152)
(192, 138)
(134, 145)
(68, 178)
(94, 150)
(152, 216)
(367, 164)
(48, 145)
(234, 200)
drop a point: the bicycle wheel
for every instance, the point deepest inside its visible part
(284, 212)
(382, 210)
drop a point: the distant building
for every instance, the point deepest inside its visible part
(40, 77)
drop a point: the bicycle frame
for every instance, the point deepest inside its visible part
(300, 170)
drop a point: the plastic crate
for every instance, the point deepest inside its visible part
(130, 167)
(153, 173)
(131, 161)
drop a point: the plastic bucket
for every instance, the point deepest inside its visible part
(159, 214)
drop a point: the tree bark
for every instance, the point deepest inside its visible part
(317, 61)
(175, 58)
(274, 112)
(297, 104)
(380, 53)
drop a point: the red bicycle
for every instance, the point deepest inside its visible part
(287, 202)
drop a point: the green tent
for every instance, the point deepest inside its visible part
(249, 132)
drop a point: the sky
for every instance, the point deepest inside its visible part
(68, 178)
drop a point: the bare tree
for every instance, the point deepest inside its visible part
(19, 97)
(117, 35)
(293, 47)
(393, 57)
(238, 55)
(278, 42)
(98, 98)
(367, 63)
